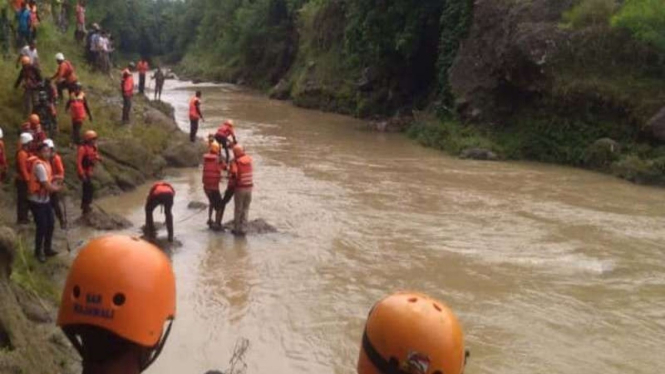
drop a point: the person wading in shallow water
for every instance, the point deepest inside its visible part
(119, 294)
(162, 194)
(412, 333)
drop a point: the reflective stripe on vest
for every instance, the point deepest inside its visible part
(77, 107)
(34, 186)
(212, 173)
(193, 112)
(245, 172)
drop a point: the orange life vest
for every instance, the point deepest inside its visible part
(244, 176)
(161, 188)
(225, 131)
(142, 67)
(212, 172)
(57, 167)
(22, 171)
(193, 111)
(34, 186)
(127, 83)
(77, 107)
(87, 157)
(67, 73)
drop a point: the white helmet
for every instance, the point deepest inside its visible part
(26, 138)
(59, 57)
(49, 143)
(1, 134)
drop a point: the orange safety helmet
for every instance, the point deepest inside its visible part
(214, 148)
(90, 135)
(238, 151)
(34, 119)
(25, 60)
(411, 333)
(123, 285)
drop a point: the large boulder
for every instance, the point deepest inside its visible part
(184, 154)
(602, 153)
(281, 91)
(478, 154)
(157, 118)
(504, 59)
(131, 153)
(99, 219)
(656, 125)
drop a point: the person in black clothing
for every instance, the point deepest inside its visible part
(162, 194)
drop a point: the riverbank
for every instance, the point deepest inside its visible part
(132, 155)
(568, 83)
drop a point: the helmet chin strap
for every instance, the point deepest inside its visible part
(383, 365)
(160, 346)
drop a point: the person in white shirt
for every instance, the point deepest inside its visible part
(29, 50)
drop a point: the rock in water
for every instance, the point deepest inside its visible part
(196, 205)
(256, 227)
(478, 154)
(100, 220)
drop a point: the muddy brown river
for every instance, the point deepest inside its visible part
(550, 269)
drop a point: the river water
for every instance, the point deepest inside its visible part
(550, 269)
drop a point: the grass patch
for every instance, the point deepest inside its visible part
(32, 276)
(450, 135)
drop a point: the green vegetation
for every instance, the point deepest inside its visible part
(645, 19)
(591, 13)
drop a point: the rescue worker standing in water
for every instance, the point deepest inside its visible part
(412, 333)
(162, 194)
(226, 136)
(119, 294)
(242, 175)
(194, 115)
(87, 157)
(212, 176)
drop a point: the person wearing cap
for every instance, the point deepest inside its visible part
(127, 89)
(30, 77)
(58, 169)
(119, 295)
(29, 50)
(161, 194)
(40, 187)
(22, 178)
(226, 136)
(65, 76)
(412, 333)
(3, 158)
(86, 159)
(241, 177)
(78, 107)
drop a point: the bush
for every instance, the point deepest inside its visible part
(645, 19)
(591, 13)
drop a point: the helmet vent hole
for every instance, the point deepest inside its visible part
(76, 292)
(413, 299)
(438, 372)
(119, 299)
(438, 308)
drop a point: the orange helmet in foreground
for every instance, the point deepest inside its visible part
(120, 285)
(411, 333)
